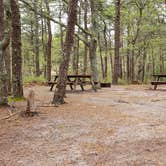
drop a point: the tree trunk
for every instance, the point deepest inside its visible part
(49, 43)
(101, 57)
(153, 61)
(105, 66)
(8, 68)
(128, 54)
(32, 45)
(132, 66)
(16, 50)
(75, 56)
(61, 30)
(43, 38)
(144, 61)
(61, 86)
(93, 45)
(85, 56)
(161, 61)
(36, 38)
(117, 43)
(1, 20)
(4, 42)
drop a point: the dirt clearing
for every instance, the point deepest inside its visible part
(122, 125)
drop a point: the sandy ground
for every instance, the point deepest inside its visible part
(118, 126)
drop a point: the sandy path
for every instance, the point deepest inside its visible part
(118, 126)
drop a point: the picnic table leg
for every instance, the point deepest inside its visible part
(71, 87)
(81, 84)
(155, 86)
(53, 83)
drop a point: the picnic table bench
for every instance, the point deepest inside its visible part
(158, 81)
(74, 80)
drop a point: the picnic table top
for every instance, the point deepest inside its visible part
(77, 76)
(159, 75)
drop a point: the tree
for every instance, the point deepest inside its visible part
(4, 42)
(49, 43)
(16, 50)
(61, 86)
(36, 37)
(85, 56)
(93, 43)
(117, 42)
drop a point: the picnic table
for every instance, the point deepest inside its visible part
(158, 81)
(74, 80)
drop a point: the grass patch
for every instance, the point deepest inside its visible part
(33, 79)
(122, 82)
(16, 99)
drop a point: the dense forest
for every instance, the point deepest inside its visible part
(119, 41)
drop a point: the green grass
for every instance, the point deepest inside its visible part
(33, 79)
(16, 99)
(122, 82)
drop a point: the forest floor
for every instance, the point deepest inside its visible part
(118, 126)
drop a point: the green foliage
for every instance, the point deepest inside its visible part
(33, 79)
(149, 43)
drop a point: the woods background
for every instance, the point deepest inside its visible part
(120, 41)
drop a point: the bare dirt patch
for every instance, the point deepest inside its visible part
(122, 125)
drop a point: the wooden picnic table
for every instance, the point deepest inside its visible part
(74, 80)
(158, 81)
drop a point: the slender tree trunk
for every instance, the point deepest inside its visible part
(76, 46)
(93, 45)
(132, 66)
(161, 61)
(106, 50)
(144, 61)
(117, 43)
(43, 38)
(49, 43)
(61, 86)
(32, 45)
(101, 57)
(1, 20)
(85, 56)
(153, 61)
(61, 30)
(75, 56)
(128, 54)
(134, 43)
(8, 68)
(105, 66)
(36, 38)
(4, 42)
(16, 51)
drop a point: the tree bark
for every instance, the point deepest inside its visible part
(4, 42)
(85, 56)
(93, 45)
(49, 43)
(36, 38)
(16, 50)
(128, 54)
(7, 58)
(117, 42)
(61, 86)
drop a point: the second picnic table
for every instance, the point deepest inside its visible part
(74, 80)
(157, 80)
